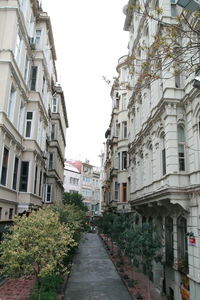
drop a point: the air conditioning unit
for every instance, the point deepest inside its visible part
(32, 43)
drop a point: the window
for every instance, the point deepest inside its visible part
(163, 154)
(177, 79)
(53, 131)
(124, 124)
(11, 104)
(29, 118)
(124, 102)
(33, 77)
(35, 180)
(181, 148)
(116, 191)
(169, 241)
(118, 129)
(17, 48)
(21, 117)
(43, 84)
(74, 181)
(0, 213)
(15, 173)
(117, 100)
(146, 35)
(86, 193)
(10, 213)
(23, 5)
(182, 242)
(123, 74)
(40, 183)
(118, 160)
(24, 176)
(50, 160)
(182, 237)
(4, 166)
(26, 69)
(48, 193)
(124, 160)
(124, 192)
(73, 192)
(173, 8)
(54, 105)
(86, 179)
(37, 38)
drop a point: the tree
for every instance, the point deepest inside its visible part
(75, 199)
(36, 245)
(143, 245)
(73, 217)
(172, 49)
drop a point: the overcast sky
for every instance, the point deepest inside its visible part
(89, 40)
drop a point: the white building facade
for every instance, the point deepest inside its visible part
(116, 182)
(163, 165)
(33, 117)
(72, 179)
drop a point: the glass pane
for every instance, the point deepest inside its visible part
(29, 115)
(181, 134)
(28, 128)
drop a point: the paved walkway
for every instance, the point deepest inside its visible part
(93, 275)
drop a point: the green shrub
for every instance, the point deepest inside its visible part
(43, 295)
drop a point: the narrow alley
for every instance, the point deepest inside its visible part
(93, 275)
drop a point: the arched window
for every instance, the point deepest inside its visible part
(181, 148)
(169, 241)
(137, 219)
(163, 153)
(182, 245)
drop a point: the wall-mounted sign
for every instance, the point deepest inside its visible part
(184, 293)
(192, 241)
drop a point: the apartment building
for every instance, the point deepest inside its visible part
(116, 181)
(163, 162)
(88, 184)
(72, 179)
(33, 117)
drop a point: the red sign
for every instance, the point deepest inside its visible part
(192, 241)
(184, 293)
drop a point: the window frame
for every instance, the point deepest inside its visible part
(33, 79)
(54, 107)
(28, 121)
(15, 173)
(12, 102)
(48, 185)
(124, 160)
(4, 167)
(25, 179)
(181, 145)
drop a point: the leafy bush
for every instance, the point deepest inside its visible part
(36, 245)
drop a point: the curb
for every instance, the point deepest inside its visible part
(122, 279)
(3, 281)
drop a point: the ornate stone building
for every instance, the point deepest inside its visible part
(163, 164)
(33, 117)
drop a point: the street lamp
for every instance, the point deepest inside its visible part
(192, 5)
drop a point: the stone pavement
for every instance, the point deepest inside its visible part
(93, 275)
(16, 289)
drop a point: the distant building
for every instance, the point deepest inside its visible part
(88, 179)
(72, 179)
